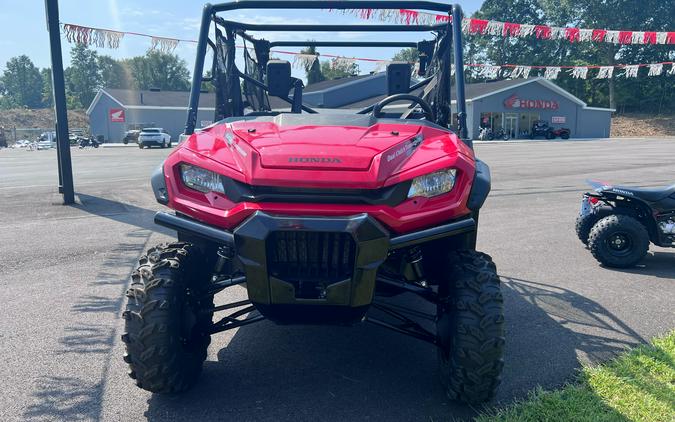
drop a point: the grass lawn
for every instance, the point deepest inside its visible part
(636, 386)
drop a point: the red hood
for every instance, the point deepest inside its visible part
(319, 147)
(262, 152)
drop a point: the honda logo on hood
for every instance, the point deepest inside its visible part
(323, 160)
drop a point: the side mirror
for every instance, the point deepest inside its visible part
(278, 78)
(398, 78)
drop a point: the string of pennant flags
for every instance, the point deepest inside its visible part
(106, 38)
(473, 26)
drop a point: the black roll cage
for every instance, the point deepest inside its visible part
(451, 30)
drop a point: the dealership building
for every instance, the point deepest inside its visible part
(515, 104)
(512, 105)
(114, 111)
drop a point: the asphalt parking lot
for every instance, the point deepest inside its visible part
(63, 271)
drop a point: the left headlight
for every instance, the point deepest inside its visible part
(201, 179)
(433, 184)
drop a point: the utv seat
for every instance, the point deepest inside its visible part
(651, 194)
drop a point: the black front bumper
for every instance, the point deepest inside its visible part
(311, 268)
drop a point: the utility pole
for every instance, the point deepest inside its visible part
(60, 109)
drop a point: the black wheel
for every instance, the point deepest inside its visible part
(565, 136)
(162, 145)
(166, 328)
(125, 142)
(470, 327)
(619, 241)
(550, 135)
(169, 144)
(585, 223)
(140, 146)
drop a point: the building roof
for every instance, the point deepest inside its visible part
(331, 83)
(148, 98)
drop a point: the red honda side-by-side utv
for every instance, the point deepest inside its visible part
(323, 215)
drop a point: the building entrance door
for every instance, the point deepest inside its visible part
(510, 124)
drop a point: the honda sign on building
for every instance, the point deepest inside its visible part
(515, 102)
(117, 115)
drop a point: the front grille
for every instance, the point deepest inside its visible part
(241, 192)
(310, 260)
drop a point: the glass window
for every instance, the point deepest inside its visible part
(526, 120)
(491, 120)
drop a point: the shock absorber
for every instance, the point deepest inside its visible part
(225, 254)
(414, 259)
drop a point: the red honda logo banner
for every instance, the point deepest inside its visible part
(117, 115)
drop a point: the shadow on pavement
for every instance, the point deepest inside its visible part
(656, 264)
(270, 372)
(70, 398)
(142, 218)
(64, 398)
(550, 332)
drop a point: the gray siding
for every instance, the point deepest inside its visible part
(594, 123)
(100, 123)
(172, 121)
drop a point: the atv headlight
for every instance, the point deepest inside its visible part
(433, 184)
(200, 179)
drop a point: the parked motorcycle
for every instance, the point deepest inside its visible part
(501, 134)
(89, 142)
(486, 134)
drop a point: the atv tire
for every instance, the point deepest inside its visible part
(470, 327)
(585, 223)
(619, 241)
(166, 335)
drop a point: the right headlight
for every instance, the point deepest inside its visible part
(200, 179)
(433, 184)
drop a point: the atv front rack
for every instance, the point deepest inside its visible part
(400, 319)
(224, 237)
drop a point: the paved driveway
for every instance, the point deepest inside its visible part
(63, 271)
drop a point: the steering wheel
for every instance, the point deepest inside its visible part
(428, 113)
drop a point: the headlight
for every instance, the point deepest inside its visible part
(433, 184)
(200, 179)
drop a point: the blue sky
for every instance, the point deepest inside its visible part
(23, 29)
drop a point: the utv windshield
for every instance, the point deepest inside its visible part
(258, 88)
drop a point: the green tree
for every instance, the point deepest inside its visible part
(410, 55)
(114, 73)
(159, 70)
(313, 70)
(499, 50)
(643, 93)
(338, 68)
(21, 84)
(83, 78)
(624, 94)
(47, 92)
